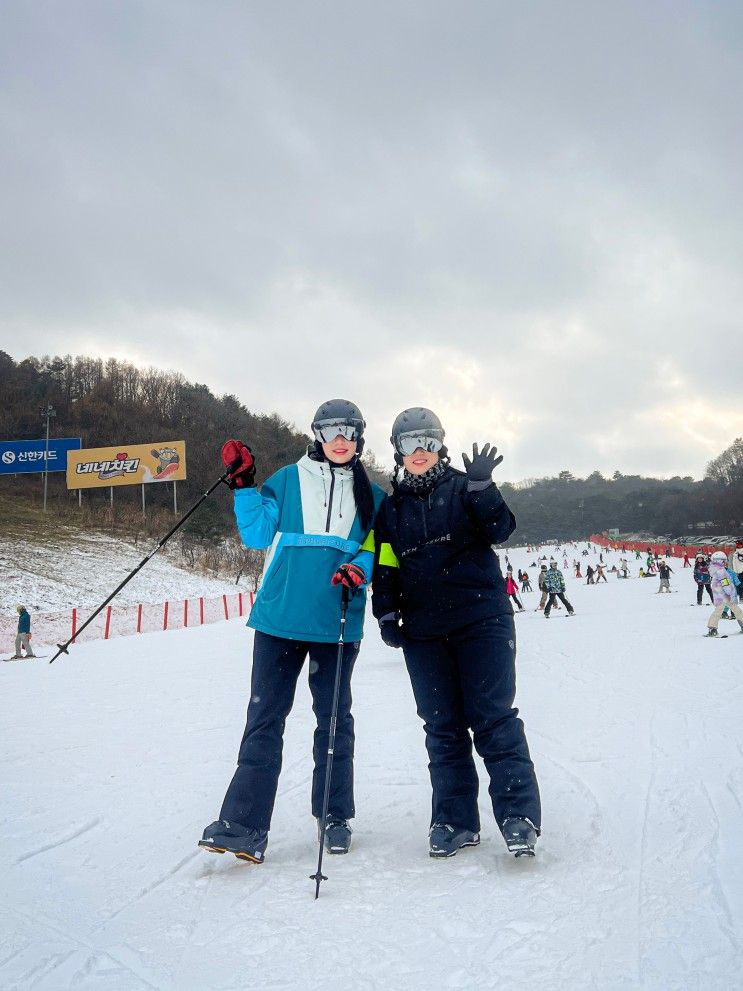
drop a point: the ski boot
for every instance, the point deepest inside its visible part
(337, 834)
(711, 632)
(229, 837)
(520, 836)
(444, 840)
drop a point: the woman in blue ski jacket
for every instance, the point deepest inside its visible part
(315, 520)
(440, 595)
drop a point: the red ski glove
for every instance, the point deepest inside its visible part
(239, 459)
(349, 575)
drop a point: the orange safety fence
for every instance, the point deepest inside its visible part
(675, 550)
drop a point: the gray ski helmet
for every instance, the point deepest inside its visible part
(342, 411)
(416, 418)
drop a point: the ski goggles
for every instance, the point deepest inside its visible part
(408, 443)
(327, 430)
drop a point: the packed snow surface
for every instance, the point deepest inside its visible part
(77, 569)
(116, 757)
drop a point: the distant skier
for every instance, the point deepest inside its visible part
(687, 562)
(554, 583)
(23, 638)
(702, 578)
(589, 575)
(723, 593)
(600, 573)
(542, 589)
(525, 583)
(664, 571)
(512, 589)
(735, 563)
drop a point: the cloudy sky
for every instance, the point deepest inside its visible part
(527, 216)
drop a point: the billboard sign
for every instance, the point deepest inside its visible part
(17, 456)
(127, 464)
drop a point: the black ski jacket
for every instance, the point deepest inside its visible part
(434, 561)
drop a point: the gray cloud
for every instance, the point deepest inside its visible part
(527, 216)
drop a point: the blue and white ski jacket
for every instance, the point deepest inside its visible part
(305, 514)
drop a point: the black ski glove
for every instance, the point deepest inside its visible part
(391, 630)
(483, 464)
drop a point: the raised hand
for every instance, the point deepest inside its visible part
(483, 463)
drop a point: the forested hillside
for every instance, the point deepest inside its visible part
(114, 402)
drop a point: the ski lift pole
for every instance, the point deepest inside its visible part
(63, 647)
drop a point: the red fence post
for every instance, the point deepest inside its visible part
(240, 603)
(252, 599)
(74, 624)
(108, 623)
(226, 611)
(185, 612)
(201, 610)
(165, 616)
(139, 618)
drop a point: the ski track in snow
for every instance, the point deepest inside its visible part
(634, 727)
(64, 839)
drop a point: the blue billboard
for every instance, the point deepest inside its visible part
(18, 456)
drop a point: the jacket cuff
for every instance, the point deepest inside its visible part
(479, 486)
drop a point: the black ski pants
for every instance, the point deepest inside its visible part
(700, 592)
(463, 682)
(554, 596)
(276, 665)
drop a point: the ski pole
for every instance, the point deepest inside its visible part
(63, 647)
(319, 876)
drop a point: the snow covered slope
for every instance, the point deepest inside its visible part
(80, 569)
(115, 758)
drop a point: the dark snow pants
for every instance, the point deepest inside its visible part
(276, 665)
(554, 596)
(700, 592)
(466, 680)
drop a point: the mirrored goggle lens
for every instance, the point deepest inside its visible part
(407, 444)
(327, 430)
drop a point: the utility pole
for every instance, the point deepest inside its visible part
(47, 413)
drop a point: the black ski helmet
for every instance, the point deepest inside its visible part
(344, 411)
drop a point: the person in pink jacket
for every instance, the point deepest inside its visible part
(512, 588)
(723, 593)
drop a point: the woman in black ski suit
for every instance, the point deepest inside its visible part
(439, 594)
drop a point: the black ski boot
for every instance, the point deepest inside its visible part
(711, 632)
(229, 837)
(520, 836)
(337, 834)
(444, 840)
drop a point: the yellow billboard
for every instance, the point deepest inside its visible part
(131, 464)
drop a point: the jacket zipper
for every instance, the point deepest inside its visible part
(423, 514)
(330, 501)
